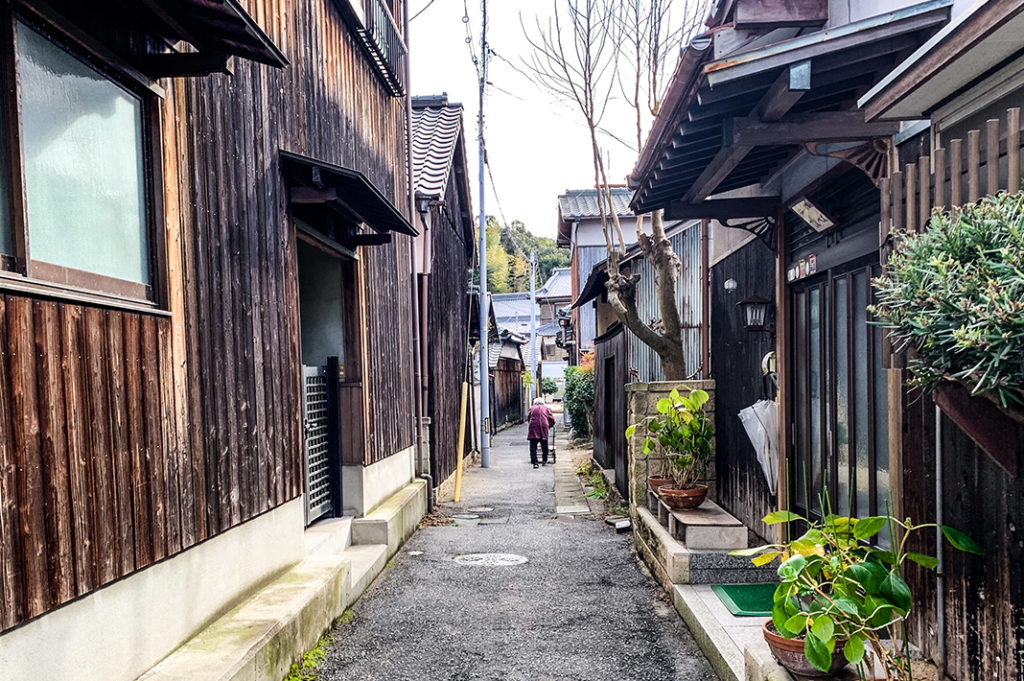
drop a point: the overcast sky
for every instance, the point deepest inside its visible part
(537, 146)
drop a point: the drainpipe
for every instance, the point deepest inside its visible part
(940, 579)
(422, 465)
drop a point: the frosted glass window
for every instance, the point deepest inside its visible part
(84, 175)
(6, 241)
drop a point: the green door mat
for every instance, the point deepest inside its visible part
(747, 600)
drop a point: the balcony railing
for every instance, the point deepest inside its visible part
(384, 44)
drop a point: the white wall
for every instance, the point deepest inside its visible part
(363, 487)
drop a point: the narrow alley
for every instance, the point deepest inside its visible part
(580, 608)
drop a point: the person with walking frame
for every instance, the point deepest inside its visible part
(540, 420)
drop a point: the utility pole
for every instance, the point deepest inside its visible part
(533, 324)
(485, 404)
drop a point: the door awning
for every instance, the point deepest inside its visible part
(735, 121)
(215, 28)
(345, 192)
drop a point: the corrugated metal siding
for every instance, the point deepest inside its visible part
(588, 257)
(686, 245)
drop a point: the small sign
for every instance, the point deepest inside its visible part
(813, 215)
(812, 264)
(802, 268)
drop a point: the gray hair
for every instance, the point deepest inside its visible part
(538, 400)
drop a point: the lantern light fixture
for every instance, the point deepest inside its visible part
(756, 311)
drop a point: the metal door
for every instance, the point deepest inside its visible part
(316, 442)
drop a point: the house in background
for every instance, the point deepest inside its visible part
(444, 256)
(554, 295)
(207, 328)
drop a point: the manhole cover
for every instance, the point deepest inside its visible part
(480, 509)
(465, 516)
(490, 559)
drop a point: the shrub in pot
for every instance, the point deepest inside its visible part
(841, 597)
(954, 294)
(682, 430)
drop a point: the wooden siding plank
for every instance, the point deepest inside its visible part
(140, 483)
(120, 440)
(1013, 149)
(153, 436)
(172, 490)
(11, 593)
(83, 494)
(59, 532)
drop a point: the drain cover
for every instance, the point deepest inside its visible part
(480, 509)
(465, 516)
(490, 559)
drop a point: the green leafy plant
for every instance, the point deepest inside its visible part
(955, 295)
(837, 590)
(548, 386)
(579, 396)
(684, 433)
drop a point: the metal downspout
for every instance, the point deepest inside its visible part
(422, 465)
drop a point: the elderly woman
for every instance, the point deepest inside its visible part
(541, 421)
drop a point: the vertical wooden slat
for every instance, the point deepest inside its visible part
(911, 179)
(898, 211)
(83, 490)
(973, 165)
(956, 151)
(1013, 149)
(28, 457)
(924, 194)
(11, 556)
(992, 155)
(60, 536)
(939, 165)
(885, 214)
(106, 531)
(153, 436)
(168, 440)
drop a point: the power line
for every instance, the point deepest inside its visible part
(425, 8)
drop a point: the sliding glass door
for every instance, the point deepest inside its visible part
(840, 455)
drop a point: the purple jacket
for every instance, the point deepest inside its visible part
(540, 420)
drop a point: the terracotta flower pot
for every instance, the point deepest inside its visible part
(790, 654)
(655, 482)
(683, 498)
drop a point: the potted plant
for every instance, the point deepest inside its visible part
(841, 600)
(684, 433)
(954, 294)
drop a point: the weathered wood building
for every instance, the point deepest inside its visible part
(761, 131)
(444, 258)
(206, 308)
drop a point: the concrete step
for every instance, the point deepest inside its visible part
(708, 527)
(366, 562)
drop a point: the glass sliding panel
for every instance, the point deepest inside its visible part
(814, 358)
(881, 434)
(841, 502)
(800, 411)
(84, 175)
(861, 435)
(6, 238)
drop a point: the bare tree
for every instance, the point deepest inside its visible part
(631, 44)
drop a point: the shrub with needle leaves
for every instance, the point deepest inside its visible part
(955, 295)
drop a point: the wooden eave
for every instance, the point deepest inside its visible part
(960, 55)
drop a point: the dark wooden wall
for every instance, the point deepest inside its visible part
(506, 392)
(736, 367)
(448, 333)
(128, 437)
(610, 404)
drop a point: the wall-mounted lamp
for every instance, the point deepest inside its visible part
(730, 285)
(755, 314)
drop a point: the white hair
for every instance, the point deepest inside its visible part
(538, 400)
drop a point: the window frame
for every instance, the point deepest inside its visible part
(21, 274)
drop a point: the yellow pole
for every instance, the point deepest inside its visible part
(462, 442)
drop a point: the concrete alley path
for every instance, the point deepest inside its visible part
(580, 608)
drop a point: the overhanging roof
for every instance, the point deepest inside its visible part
(347, 190)
(217, 26)
(581, 204)
(979, 41)
(688, 157)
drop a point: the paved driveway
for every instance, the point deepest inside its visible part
(580, 608)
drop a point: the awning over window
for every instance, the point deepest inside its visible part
(345, 192)
(214, 28)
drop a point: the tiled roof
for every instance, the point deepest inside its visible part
(436, 130)
(558, 285)
(582, 203)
